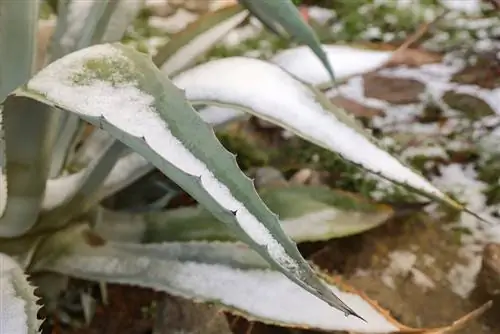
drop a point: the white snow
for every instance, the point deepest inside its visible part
(217, 116)
(127, 170)
(467, 6)
(345, 60)
(173, 23)
(462, 182)
(137, 117)
(267, 295)
(17, 303)
(256, 85)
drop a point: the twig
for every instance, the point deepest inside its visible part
(413, 38)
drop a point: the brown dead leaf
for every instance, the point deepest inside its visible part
(392, 90)
(463, 321)
(356, 108)
(485, 73)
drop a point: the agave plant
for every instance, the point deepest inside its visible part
(159, 113)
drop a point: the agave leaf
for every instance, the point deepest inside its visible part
(18, 306)
(121, 91)
(267, 19)
(118, 15)
(88, 189)
(346, 61)
(285, 14)
(304, 111)
(127, 170)
(76, 24)
(220, 116)
(199, 37)
(306, 213)
(27, 162)
(18, 24)
(91, 147)
(227, 274)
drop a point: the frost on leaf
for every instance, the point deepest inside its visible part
(18, 308)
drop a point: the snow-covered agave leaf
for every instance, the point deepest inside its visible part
(115, 22)
(200, 36)
(123, 92)
(18, 303)
(220, 116)
(284, 14)
(269, 92)
(127, 170)
(307, 214)
(85, 193)
(346, 61)
(76, 24)
(229, 275)
(18, 24)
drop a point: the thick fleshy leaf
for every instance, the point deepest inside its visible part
(18, 24)
(346, 61)
(307, 214)
(121, 91)
(302, 110)
(76, 24)
(284, 14)
(200, 36)
(127, 170)
(18, 303)
(226, 274)
(86, 192)
(220, 116)
(114, 24)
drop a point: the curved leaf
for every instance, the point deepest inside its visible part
(87, 190)
(121, 91)
(18, 303)
(346, 61)
(127, 170)
(18, 25)
(300, 109)
(199, 37)
(229, 275)
(285, 14)
(306, 213)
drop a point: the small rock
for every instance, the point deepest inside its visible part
(470, 105)
(356, 108)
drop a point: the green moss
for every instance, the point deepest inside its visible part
(115, 71)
